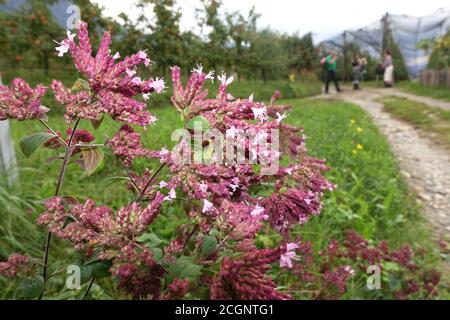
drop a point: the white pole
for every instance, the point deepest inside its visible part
(8, 164)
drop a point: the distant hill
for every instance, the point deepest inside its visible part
(58, 9)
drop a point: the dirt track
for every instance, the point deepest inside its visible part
(425, 164)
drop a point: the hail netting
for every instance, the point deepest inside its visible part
(406, 31)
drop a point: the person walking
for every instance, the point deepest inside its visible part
(330, 71)
(356, 71)
(388, 66)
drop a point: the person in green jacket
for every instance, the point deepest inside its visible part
(330, 71)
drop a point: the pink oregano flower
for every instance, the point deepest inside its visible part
(112, 85)
(21, 102)
(287, 257)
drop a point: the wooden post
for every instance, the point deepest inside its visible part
(8, 165)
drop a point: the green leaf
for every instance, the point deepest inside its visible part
(92, 158)
(30, 144)
(30, 288)
(158, 254)
(209, 246)
(81, 84)
(100, 269)
(97, 123)
(191, 272)
(183, 268)
(198, 122)
(85, 271)
(390, 266)
(110, 181)
(151, 240)
(214, 232)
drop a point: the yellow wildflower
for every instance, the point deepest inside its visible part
(359, 130)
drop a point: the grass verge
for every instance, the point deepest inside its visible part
(421, 90)
(433, 120)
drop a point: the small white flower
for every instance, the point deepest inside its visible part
(153, 119)
(281, 117)
(203, 187)
(257, 211)
(70, 35)
(235, 184)
(158, 84)
(207, 206)
(349, 270)
(130, 73)
(116, 56)
(260, 113)
(143, 55)
(210, 76)
(251, 98)
(286, 258)
(172, 195)
(224, 80)
(137, 81)
(164, 152)
(63, 47)
(146, 96)
(198, 70)
(163, 184)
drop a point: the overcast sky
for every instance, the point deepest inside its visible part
(324, 18)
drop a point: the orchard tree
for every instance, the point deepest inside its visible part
(216, 46)
(29, 31)
(267, 55)
(241, 30)
(165, 39)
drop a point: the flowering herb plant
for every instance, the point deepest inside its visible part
(228, 201)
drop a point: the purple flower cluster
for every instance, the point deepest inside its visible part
(415, 280)
(126, 145)
(21, 102)
(244, 278)
(16, 264)
(89, 226)
(139, 275)
(112, 86)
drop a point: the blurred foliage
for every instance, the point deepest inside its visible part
(440, 55)
(226, 41)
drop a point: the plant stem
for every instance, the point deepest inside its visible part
(131, 179)
(88, 288)
(57, 191)
(142, 193)
(194, 230)
(53, 131)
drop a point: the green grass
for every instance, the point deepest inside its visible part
(371, 196)
(421, 90)
(431, 119)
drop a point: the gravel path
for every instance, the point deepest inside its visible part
(425, 165)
